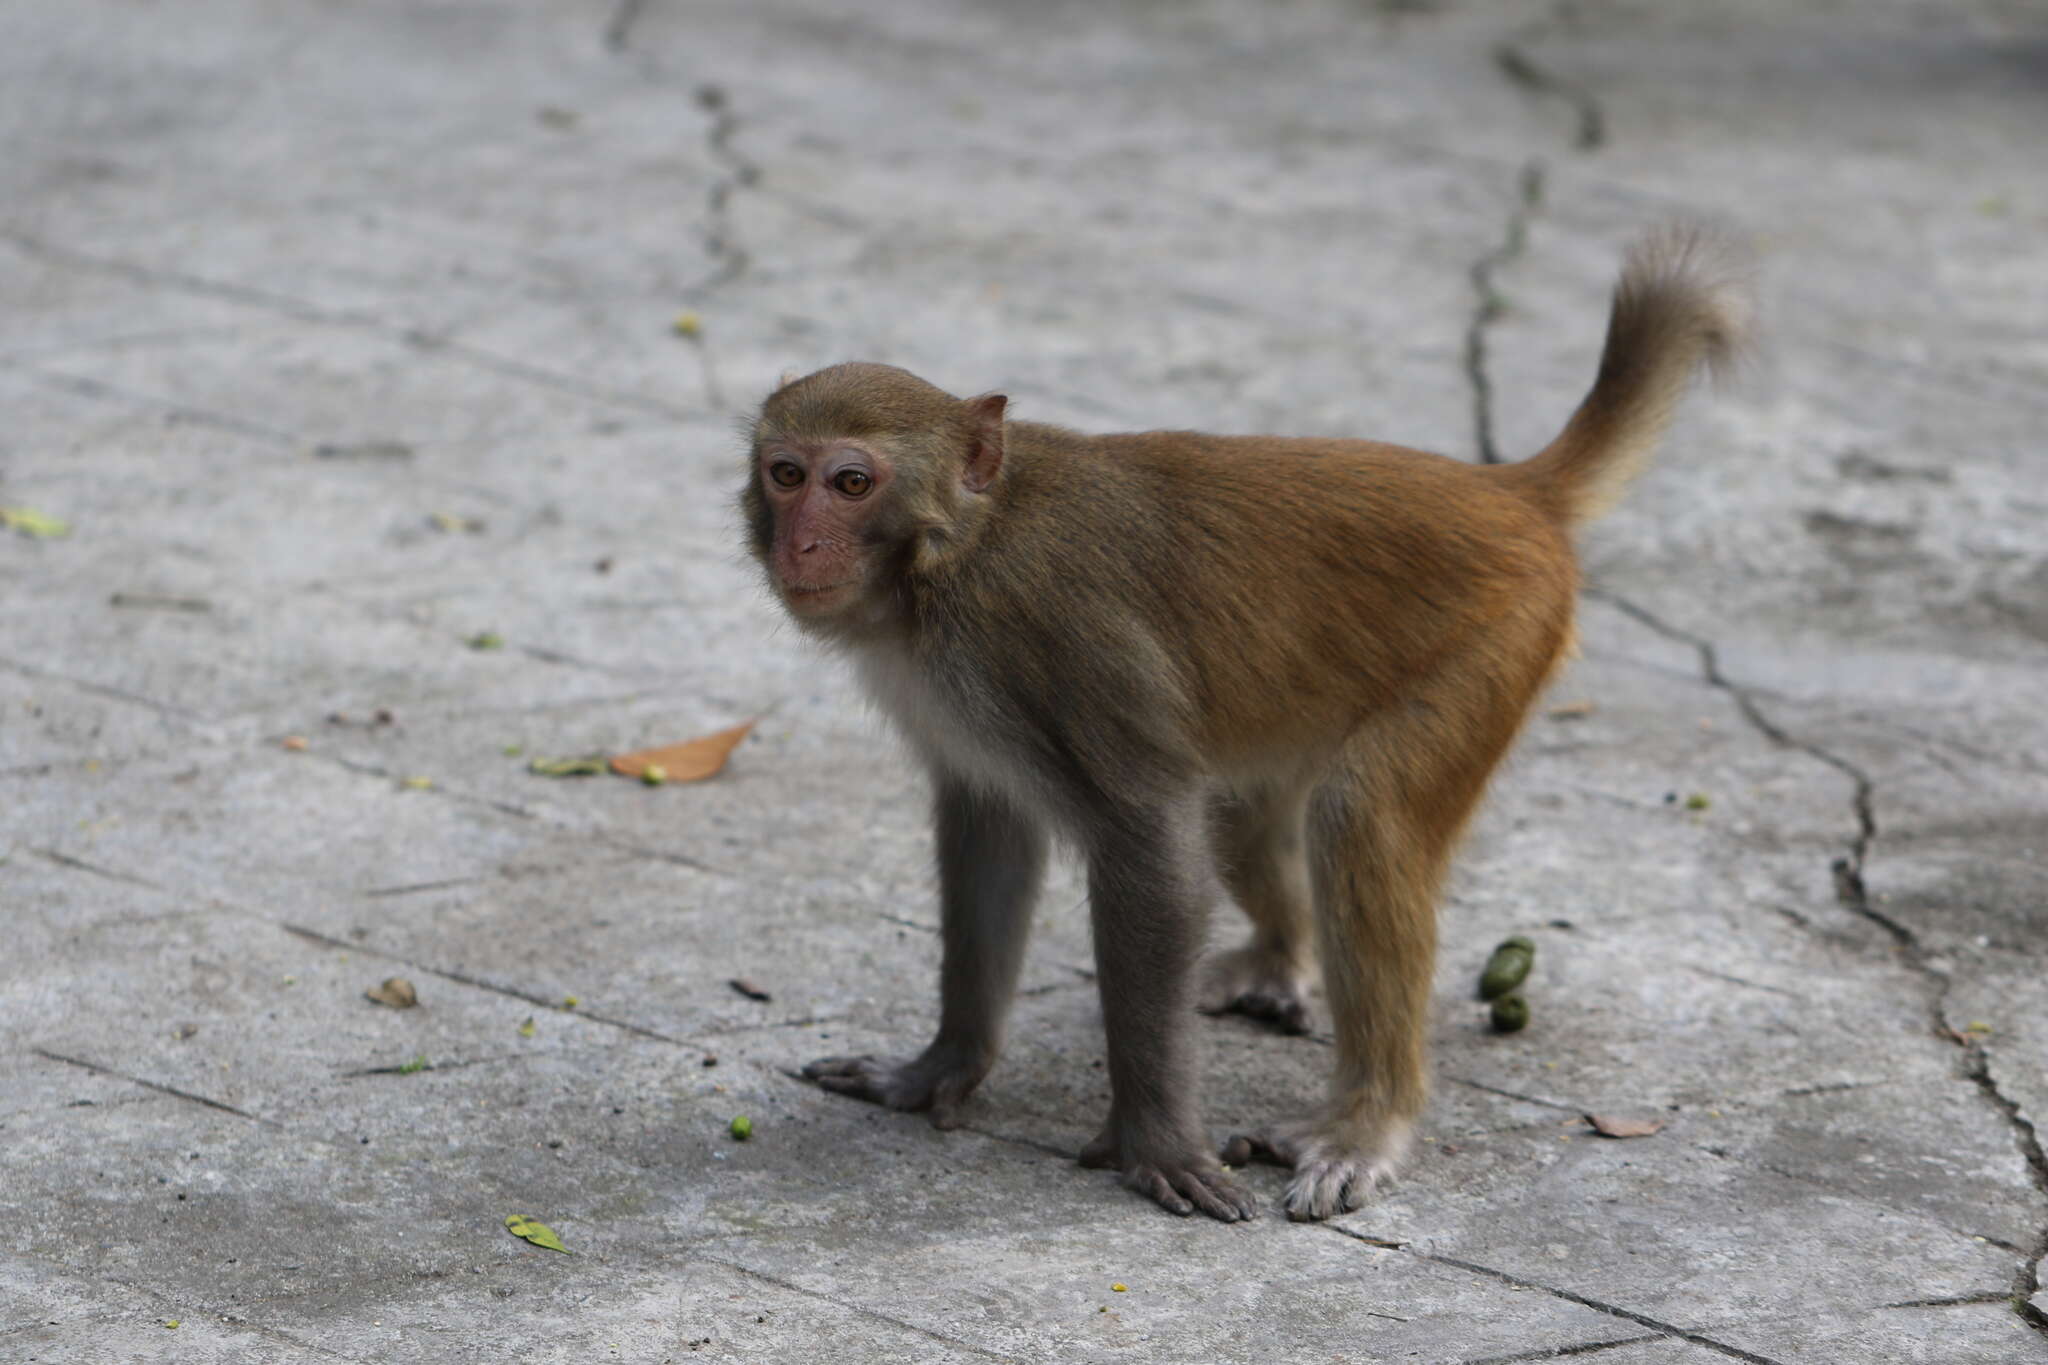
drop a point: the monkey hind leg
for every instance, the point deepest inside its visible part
(1258, 837)
(1381, 829)
(1375, 871)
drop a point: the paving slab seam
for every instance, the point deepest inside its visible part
(1481, 1086)
(172, 1090)
(299, 310)
(110, 693)
(172, 409)
(464, 978)
(1583, 1348)
(356, 765)
(795, 1288)
(195, 331)
(1951, 1301)
(601, 838)
(1849, 1195)
(163, 1302)
(77, 864)
(1667, 1329)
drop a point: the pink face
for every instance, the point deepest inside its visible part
(820, 496)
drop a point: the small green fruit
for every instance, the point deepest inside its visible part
(1510, 1014)
(742, 1128)
(1507, 968)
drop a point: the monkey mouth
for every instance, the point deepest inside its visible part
(813, 594)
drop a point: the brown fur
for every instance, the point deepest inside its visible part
(1305, 656)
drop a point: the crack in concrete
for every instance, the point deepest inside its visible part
(730, 259)
(1848, 869)
(2027, 1282)
(1490, 305)
(618, 30)
(1518, 66)
(158, 1086)
(1854, 895)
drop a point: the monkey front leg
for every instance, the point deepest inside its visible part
(1144, 895)
(991, 859)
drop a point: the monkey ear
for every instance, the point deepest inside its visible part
(985, 448)
(788, 378)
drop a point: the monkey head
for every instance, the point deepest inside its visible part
(860, 477)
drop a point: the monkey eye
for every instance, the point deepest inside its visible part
(786, 473)
(853, 482)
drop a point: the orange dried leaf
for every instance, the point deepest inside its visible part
(691, 761)
(1608, 1126)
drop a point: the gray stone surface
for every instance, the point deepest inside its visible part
(282, 283)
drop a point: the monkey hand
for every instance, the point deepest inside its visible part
(1180, 1182)
(937, 1081)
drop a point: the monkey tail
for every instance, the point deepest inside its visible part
(1683, 300)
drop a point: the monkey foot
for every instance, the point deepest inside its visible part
(937, 1084)
(1179, 1185)
(1257, 982)
(1330, 1176)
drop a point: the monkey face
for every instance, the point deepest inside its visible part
(858, 474)
(820, 502)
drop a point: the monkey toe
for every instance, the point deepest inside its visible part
(836, 1066)
(1287, 1012)
(1270, 1148)
(1324, 1188)
(1101, 1153)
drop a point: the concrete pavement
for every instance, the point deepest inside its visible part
(340, 336)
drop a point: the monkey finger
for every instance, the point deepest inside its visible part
(861, 1087)
(1221, 1199)
(1150, 1182)
(1287, 1013)
(837, 1066)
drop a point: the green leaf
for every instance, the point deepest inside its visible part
(32, 523)
(536, 1232)
(568, 767)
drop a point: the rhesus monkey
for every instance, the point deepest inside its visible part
(1293, 662)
